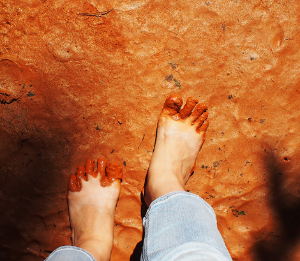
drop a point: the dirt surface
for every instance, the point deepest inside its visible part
(74, 86)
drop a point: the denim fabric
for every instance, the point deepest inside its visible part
(181, 226)
(70, 253)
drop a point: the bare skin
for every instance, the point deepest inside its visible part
(180, 136)
(93, 195)
(92, 209)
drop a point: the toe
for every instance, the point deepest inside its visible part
(89, 168)
(73, 184)
(114, 172)
(199, 122)
(101, 170)
(172, 104)
(203, 127)
(80, 173)
(188, 107)
(198, 111)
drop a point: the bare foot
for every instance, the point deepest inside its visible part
(180, 135)
(92, 202)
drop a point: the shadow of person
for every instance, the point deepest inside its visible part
(284, 201)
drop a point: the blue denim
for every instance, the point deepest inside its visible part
(70, 253)
(179, 226)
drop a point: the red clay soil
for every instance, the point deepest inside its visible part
(83, 79)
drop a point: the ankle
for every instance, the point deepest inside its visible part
(158, 188)
(92, 246)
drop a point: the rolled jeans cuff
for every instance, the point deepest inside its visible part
(70, 253)
(182, 226)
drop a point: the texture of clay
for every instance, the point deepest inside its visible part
(76, 83)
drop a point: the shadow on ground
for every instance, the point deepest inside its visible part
(284, 201)
(34, 145)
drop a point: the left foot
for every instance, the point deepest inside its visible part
(92, 203)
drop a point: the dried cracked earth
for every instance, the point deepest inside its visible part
(82, 79)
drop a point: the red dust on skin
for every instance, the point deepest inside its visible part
(109, 172)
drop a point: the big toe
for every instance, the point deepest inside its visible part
(109, 172)
(172, 104)
(114, 171)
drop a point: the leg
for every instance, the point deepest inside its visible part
(179, 225)
(92, 202)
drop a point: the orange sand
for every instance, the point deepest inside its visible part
(74, 87)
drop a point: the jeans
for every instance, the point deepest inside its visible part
(179, 226)
(70, 253)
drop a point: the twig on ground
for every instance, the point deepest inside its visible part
(98, 14)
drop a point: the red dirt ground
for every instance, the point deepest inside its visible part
(74, 86)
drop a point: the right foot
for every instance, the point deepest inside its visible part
(92, 202)
(180, 136)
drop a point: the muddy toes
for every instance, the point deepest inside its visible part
(188, 107)
(192, 111)
(173, 104)
(108, 172)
